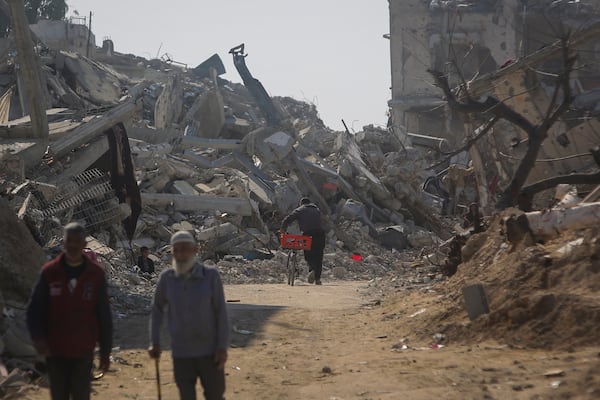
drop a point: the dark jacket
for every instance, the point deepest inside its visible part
(308, 217)
(71, 322)
(146, 266)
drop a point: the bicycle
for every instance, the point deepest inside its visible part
(293, 243)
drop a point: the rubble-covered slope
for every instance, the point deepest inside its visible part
(542, 296)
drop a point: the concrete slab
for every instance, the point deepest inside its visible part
(180, 202)
(476, 301)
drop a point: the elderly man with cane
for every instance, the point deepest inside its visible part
(192, 294)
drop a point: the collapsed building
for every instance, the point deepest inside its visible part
(507, 50)
(137, 149)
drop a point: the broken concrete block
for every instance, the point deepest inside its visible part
(394, 237)
(356, 211)
(222, 230)
(345, 169)
(268, 145)
(204, 188)
(184, 188)
(169, 105)
(476, 301)
(207, 114)
(93, 81)
(203, 70)
(140, 150)
(421, 239)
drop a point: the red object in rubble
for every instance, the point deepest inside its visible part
(356, 257)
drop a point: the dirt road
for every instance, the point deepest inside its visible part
(335, 342)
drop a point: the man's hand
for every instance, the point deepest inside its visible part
(104, 363)
(154, 351)
(221, 358)
(41, 347)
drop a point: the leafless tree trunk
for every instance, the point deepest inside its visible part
(499, 110)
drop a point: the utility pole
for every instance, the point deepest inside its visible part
(87, 48)
(29, 69)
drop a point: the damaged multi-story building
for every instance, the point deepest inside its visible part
(506, 49)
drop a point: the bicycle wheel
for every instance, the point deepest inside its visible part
(289, 267)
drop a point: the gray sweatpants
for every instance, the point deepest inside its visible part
(188, 370)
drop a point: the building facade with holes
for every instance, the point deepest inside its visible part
(489, 47)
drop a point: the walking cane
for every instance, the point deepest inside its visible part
(157, 379)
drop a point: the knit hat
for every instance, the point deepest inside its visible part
(182, 237)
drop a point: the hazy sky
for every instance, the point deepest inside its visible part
(329, 52)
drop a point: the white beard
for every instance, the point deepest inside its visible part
(183, 268)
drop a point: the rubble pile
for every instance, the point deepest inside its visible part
(206, 159)
(139, 149)
(538, 293)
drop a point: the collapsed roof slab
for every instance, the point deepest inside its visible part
(83, 159)
(96, 127)
(232, 205)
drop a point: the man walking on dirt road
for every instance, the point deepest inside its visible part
(308, 216)
(68, 313)
(197, 321)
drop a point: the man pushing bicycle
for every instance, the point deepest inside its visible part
(308, 217)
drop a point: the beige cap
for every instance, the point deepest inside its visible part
(182, 237)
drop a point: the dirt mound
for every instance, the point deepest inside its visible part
(539, 295)
(20, 256)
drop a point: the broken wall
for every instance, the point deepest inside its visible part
(529, 93)
(475, 38)
(63, 35)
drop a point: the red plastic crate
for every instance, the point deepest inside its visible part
(295, 242)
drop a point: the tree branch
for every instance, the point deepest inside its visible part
(489, 106)
(566, 87)
(572, 179)
(528, 192)
(489, 125)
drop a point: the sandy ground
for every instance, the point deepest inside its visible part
(289, 338)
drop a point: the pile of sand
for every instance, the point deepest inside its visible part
(538, 296)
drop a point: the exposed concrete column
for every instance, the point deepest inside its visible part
(29, 69)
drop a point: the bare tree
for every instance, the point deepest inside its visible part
(497, 109)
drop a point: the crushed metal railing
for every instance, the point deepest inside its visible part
(89, 198)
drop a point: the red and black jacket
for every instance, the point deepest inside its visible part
(71, 322)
